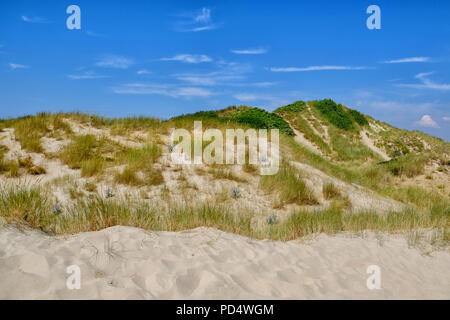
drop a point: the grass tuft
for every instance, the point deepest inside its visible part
(289, 187)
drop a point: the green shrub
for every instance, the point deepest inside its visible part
(261, 119)
(297, 106)
(334, 113)
(358, 117)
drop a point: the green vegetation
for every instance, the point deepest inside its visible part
(297, 106)
(304, 126)
(128, 176)
(331, 221)
(358, 117)
(330, 191)
(90, 154)
(349, 147)
(140, 161)
(334, 113)
(253, 117)
(330, 126)
(409, 165)
(31, 207)
(289, 187)
(261, 119)
(29, 131)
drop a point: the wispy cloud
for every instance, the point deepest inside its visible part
(189, 58)
(116, 62)
(408, 60)
(204, 28)
(33, 19)
(272, 101)
(143, 71)
(426, 83)
(162, 89)
(85, 75)
(427, 121)
(197, 21)
(15, 66)
(316, 68)
(250, 51)
(228, 73)
(446, 118)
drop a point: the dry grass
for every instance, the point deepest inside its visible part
(91, 154)
(289, 187)
(31, 207)
(330, 191)
(225, 173)
(128, 176)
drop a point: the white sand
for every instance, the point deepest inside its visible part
(125, 262)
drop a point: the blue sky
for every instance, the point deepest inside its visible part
(165, 58)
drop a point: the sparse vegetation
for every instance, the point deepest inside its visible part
(128, 176)
(30, 207)
(289, 187)
(330, 191)
(330, 126)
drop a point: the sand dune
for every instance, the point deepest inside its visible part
(125, 262)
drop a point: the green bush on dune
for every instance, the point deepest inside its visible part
(334, 113)
(262, 119)
(358, 117)
(297, 106)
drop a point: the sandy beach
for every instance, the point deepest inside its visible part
(204, 263)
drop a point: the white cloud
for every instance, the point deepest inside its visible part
(273, 101)
(426, 83)
(15, 66)
(446, 118)
(84, 76)
(33, 19)
(427, 121)
(408, 60)
(264, 84)
(204, 16)
(198, 80)
(192, 92)
(250, 51)
(204, 28)
(198, 21)
(116, 62)
(316, 68)
(162, 89)
(189, 58)
(143, 71)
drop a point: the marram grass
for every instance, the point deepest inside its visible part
(31, 208)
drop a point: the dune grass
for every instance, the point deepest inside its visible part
(303, 125)
(91, 154)
(330, 191)
(289, 187)
(333, 220)
(32, 208)
(29, 131)
(140, 168)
